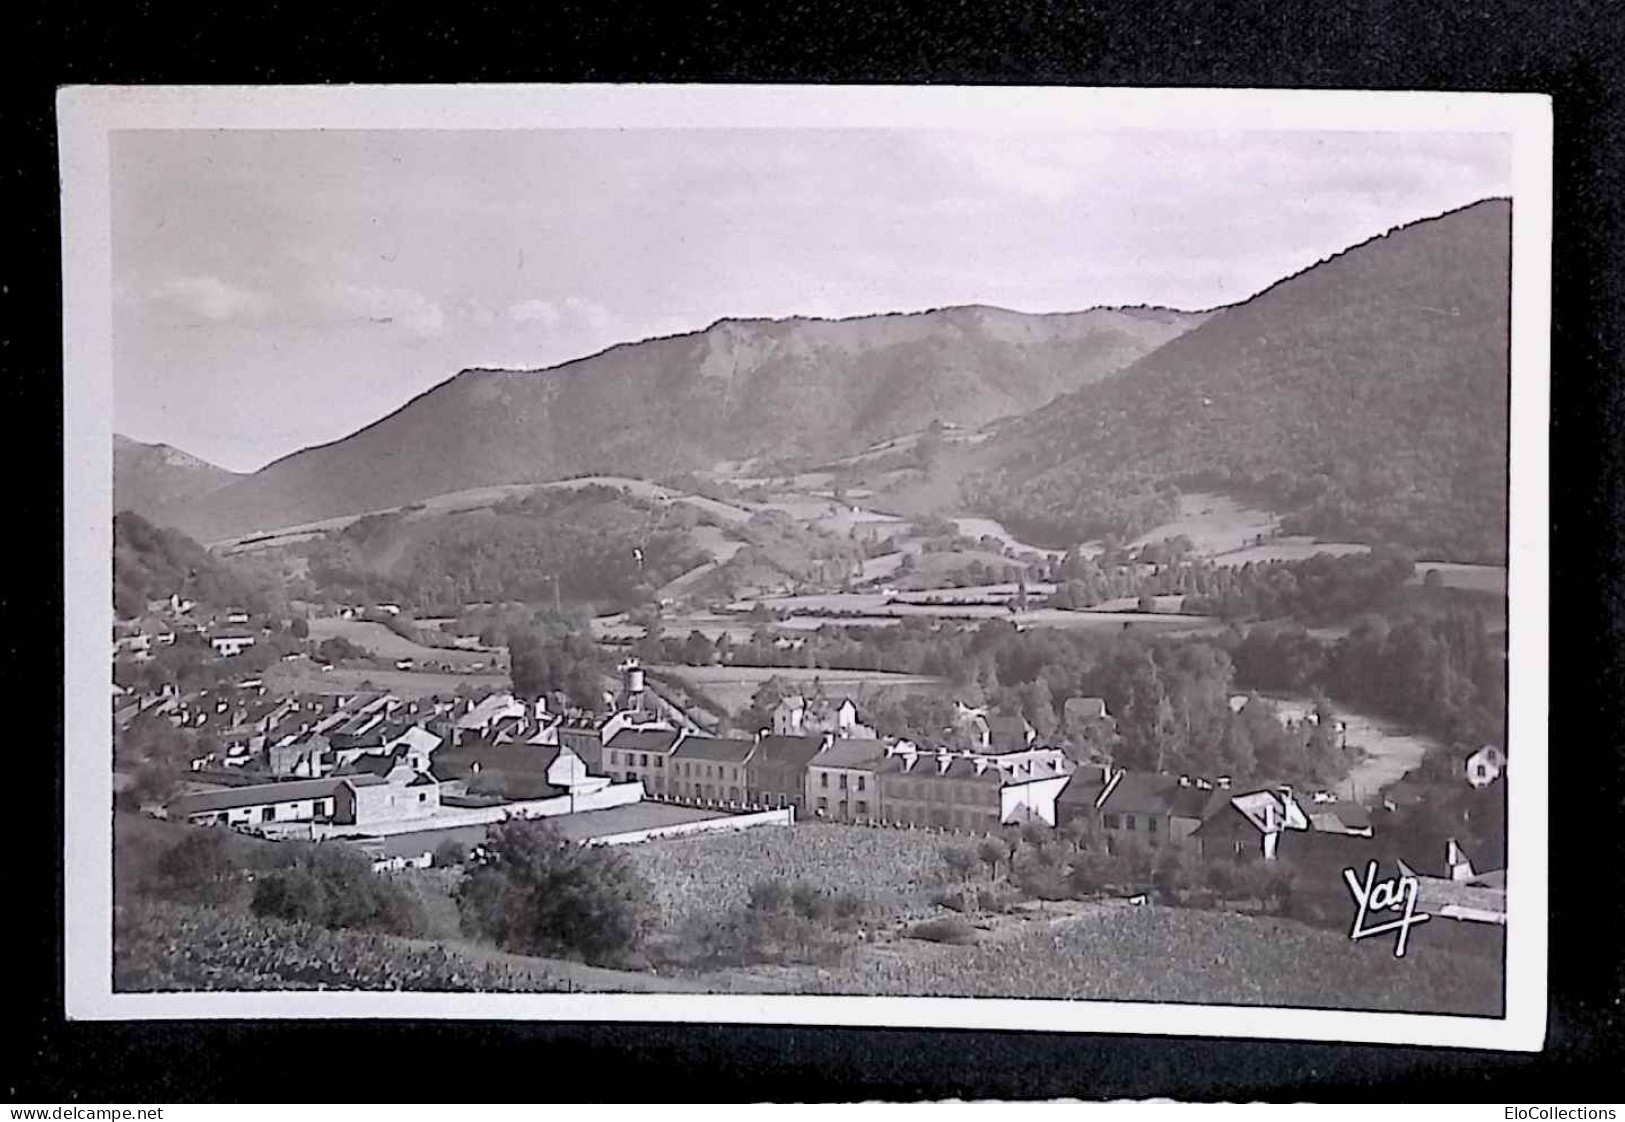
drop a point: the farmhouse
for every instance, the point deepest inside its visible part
(513, 772)
(353, 800)
(1253, 826)
(798, 716)
(298, 801)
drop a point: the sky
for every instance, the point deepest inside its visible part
(274, 290)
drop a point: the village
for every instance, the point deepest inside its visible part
(413, 780)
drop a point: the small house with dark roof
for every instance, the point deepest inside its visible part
(513, 772)
(710, 769)
(1009, 732)
(1485, 765)
(1077, 800)
(1134, 808)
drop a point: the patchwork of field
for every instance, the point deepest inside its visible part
(1488, 579)
(987, 527)
(1290, 548)
(1214, 523)
(734, 686)
(384, 643)
(306, 677)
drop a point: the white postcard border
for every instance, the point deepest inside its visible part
(86, 115)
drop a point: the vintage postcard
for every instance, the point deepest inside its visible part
(1015, 558)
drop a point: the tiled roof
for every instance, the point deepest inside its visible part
(850, 753)
(516, 759)
(795, 751)
(1141, 792)
(259, 794)
(644, 740)
(718, 749)
(1194, 802)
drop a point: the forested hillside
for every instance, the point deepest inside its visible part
(1366, 396)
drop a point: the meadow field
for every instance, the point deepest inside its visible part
(734, 686)
(893, 871)
(379, 640)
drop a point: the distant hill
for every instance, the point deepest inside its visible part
(147, 478)
(1366, 396)
(153, 563)
(789, 390)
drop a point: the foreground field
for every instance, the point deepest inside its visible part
(1112, 952)
(893, 871)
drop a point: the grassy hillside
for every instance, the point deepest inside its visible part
(796, 388)
(1366, 396)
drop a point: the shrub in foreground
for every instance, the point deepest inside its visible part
(331, 884)
(532, 891)
(166, 946)
(950, 929)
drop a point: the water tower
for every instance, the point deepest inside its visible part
(631, 684)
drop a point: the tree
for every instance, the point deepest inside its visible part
(449, 853)
(197, 869)
(961, 862)
(531, 891)
(993, 852)
(928, 449)
(300, 627)
(330, 884)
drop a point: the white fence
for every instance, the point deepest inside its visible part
(616, 794)
(729, 823)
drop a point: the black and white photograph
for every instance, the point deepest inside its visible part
(955, 557)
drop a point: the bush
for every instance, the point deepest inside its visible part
(167, 946)
(531, 891)
(951, 930)
(449, 853)
(329, 884)
(197, 870)
(961, 862)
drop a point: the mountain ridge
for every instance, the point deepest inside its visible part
(739, 389)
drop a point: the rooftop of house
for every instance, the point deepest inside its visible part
(1433, 894)
(1140, 792)
(1087, 707)
(1196, 802)
(793, 751)
(260, 794)
(853, 753)
(644, 740)
(715, 749)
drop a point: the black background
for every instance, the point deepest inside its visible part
(1572, 51)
